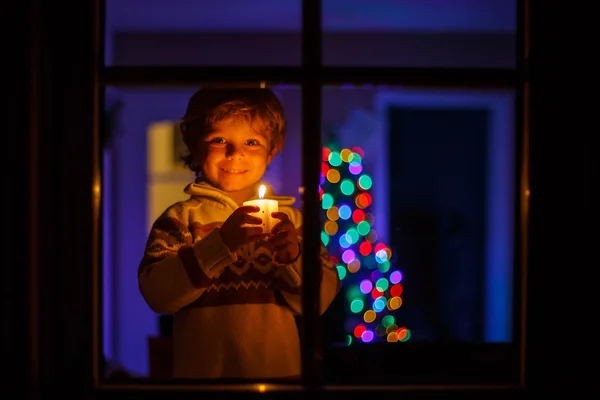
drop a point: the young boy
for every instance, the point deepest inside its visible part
(233, 290)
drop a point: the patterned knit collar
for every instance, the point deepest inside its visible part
(202, 188)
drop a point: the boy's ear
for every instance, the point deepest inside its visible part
(276, 149)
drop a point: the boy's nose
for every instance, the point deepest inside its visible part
(234, 152)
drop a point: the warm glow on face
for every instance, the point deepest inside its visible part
(261, 191)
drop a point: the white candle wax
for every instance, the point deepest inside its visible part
(267, 206)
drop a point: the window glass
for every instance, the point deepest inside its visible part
(249, 300)
(204, 33)
(417, 194)
(419, 33)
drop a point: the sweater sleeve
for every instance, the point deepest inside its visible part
(290, 281)
(174, 272)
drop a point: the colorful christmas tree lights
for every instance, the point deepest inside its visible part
(372, 284)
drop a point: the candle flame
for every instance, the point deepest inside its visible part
(261, 191)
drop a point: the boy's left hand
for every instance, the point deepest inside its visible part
(284, 240)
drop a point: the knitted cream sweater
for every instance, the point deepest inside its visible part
(233, 312)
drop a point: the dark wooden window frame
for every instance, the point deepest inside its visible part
(67, 82)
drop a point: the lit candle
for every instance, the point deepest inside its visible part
(267, 207)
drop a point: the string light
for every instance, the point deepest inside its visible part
(372, 281)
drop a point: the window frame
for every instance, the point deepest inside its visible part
(311, 75)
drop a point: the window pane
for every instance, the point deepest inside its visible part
(418, 204)
(205, 33)
(143, 176)
(419, 33)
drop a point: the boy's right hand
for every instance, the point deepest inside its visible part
(234, 235)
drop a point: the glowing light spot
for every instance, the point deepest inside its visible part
(379, 304)
(375, 294)
(382, 284)
(324, 171)
(348, 256)
(388, 252)
(381, 256)
(326, 201)
(366, 286)
(384, 266)
(335, 159)
(344, 154)
(394, 303)
(357, 305)
(345, 212)
(369, 316)
(355, 168)
(403, 334)
(343, 240)
(333, 175)
(358, 216)
(367, 336)
(363, 228)
(325, 152)
(363, 200)
(341, 270)
(325, 238)
(396, 277)
(354, 265)
(392, 337)
(332, 213)
(387, 320)
(396, 290)
(364, 249)
(358, 151)
(352, 236)
(364, 182)
(358, 331)
(347, 187)
(379, 247)
(331, 227)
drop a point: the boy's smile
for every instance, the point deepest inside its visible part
(234, 157)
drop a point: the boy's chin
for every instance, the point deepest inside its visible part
(232, 184)
(235, 187)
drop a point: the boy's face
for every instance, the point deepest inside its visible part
(233, 156)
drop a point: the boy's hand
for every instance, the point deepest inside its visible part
(284, 240)
(234, 235)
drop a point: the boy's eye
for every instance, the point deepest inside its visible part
(217, 140)
(252, 142)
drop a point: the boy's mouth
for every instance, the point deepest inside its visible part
(234, 171)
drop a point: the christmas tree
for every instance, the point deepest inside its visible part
(372, 284)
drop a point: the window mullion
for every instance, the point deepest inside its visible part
(311, 143)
